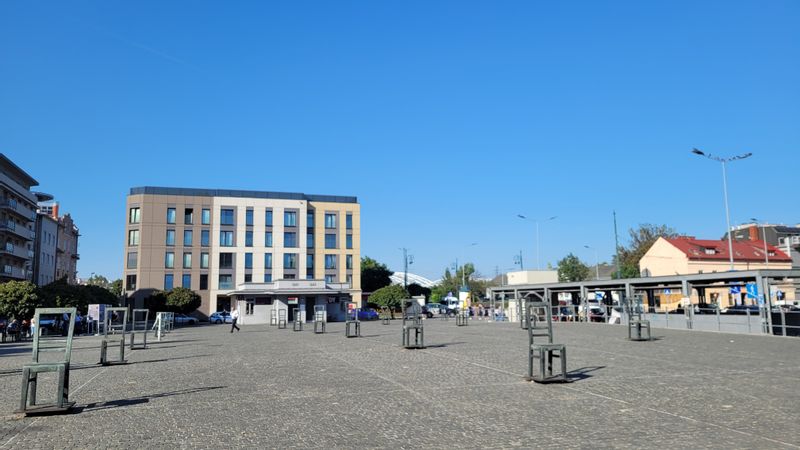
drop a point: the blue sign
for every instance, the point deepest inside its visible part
(736, 289)
(752, 290)
(598, 295)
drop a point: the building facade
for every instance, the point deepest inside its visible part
(218, 242)
(45, 250)
(787, 238)
(67, 255)
(17, 221)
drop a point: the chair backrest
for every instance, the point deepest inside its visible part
(116, 321)
(53, 319)
(139, 318)
(412, 311)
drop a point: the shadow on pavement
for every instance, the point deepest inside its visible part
(138, 400)
(582, 373)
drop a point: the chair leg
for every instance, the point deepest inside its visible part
(60, 401)
(564, 363)
(23, 403)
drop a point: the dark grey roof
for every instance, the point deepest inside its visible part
(785, 229)
(153, 190)
(17, 173)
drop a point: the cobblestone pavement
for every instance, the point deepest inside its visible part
(268, 388)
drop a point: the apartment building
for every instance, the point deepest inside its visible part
(785, 237)
(67, 255)
(282, 248)
(17, 221)
(45, 250)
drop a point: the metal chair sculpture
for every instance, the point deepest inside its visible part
(540, 345)
(352, 326)
(139, 327)
(413, 329)
(115, 325)
(297, 324)
(273, 317)
(45, 344)
(522, 313)
(462, 318)
(386, 315)
(320, 317)
(281, 319)
(638, 328)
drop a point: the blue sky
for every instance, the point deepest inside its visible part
(446, 119)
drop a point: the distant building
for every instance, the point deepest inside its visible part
(399, 278)
(45, 250)
(531, 277)
(17, 221)
(787, 238)
(48, 207)
(67, 250)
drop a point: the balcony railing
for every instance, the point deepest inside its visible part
(16, 251)
(14, 272)
(9, 226)
(13, 205)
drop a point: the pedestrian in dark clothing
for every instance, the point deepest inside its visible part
(234, 319)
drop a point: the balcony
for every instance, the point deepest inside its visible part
(16, 273)
(10, 227)
(10, 249)
(14, 207)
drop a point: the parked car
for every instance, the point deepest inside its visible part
(220, 317)
(742, 309)
(565, 314)
(367, 314)
(597, 314)
(183, 319)
(436, 309)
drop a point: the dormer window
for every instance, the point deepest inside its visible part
(771, 253)
(711, 251)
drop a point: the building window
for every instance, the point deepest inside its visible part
(248, 238)
(170, 215)
(130, 283)
(187, 238)
(204, 282)
(169, 281)
(290, 239)
(348, 220)
(330, 220)
(133, 237)
(309, 276)
(310, 240)
(248, 278)
(133, 258)
(226, 260)
(187, 260)
(290, 260)
(188, 216)
(348, 259)
(330, 261)
(289, 276)
(330, 240)
(290, 219)
(205, 216)
(268, 218)
(170, 240)
(349, 241)
(225, 281)
(310, 262)
(134, 217)
(226, 217)
(268, 260)
(267, 278)
(169, 260)
(248, 260)
(310, 219)
(204, 260)
(248, 217)
(350, 279)
(226, 238)
(204, 238)
(330, 278)
(186, 281)
(268, 239)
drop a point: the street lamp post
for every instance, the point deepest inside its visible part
(407, 259)
(596, 262)
(764, 238)
(538, 262)
(724, 161)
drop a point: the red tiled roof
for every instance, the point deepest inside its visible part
(696, 249)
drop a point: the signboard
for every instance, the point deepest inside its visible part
(292, 300)
(667, 291)
(736, 289)
(97, 312)
(752, 290)
(350, 307)
(598, 296)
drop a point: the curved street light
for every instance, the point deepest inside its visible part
(536, 221)
(724, 161)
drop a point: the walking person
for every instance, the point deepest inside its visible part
(234, 319)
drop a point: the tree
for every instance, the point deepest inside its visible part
(156, 302)
(61, 294)
(98, 280)
(641, 239)
(116, 287)
(451, 283)
(415, 289)
(390, 296)
(19, 299)
(374, 275)
(571, 268)
(183, 300)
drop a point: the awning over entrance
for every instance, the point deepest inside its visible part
(291, 288)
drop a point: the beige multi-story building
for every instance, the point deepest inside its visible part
(221, 242)
(17, 221)
(67, 255)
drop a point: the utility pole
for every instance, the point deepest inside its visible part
(616, 245)
(407, 259)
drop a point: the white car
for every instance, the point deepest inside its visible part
(183, 319)
(220, 317)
